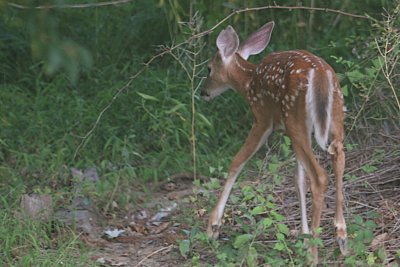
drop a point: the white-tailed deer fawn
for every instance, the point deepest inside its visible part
(293, 90)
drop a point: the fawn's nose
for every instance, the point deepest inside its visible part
(204, 93)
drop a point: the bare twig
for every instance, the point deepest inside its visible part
(388, 66)
(118, 2)
(100, 4)
(361, 109)
(151, 254)
(119, 92)
(252, 9)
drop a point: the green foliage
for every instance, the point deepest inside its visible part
(257, 235)
(30, 243)
(369, 80)
(361, 232)
(60, 68)
(253, 224)
(184, 247)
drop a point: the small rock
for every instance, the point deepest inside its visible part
(38, 207)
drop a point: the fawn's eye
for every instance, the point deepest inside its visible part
(209, 70)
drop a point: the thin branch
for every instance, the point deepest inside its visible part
(290, 8)
(151, 254)
(182, 65)
(118, 2)
(389, 60)
(116, 95)
(361, 109)
(101, 4)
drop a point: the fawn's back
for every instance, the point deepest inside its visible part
(296, 83)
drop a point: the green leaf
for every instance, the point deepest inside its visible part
(273, 167)
(280, 236)
(371, 72)
(283, 228)
(270, 205)
(204, 119)
(345, 90)
(234, 199)
(267, 222)
(318, 231)
(286, 140)
(184, 248)
(222, 256)
(316, 242)
(257, 210)
(175, 108)
(251, 258)
(370, 224)
(201, 236)
(279, 246)
(211, 169)
(350, 261)
(368, 168)
(358, 219)
(147, 97)
(355, 76)
(378, 62)
(371, 258)
(248, 196)
(242, 240)
(277, 216)
(381, 253)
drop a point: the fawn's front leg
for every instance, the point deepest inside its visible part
(256, 138)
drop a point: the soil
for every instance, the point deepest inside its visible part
(151, 233)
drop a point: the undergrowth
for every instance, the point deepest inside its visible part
(60, 68)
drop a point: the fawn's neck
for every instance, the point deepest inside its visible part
(241, 74)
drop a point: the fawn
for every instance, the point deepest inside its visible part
(291, 90)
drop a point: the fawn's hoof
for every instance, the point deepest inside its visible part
(213, 231)
(342, 242)
(341, 238)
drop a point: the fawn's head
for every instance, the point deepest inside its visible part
(219, 77)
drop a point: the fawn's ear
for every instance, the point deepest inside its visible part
(257, 41)
(227, 42)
